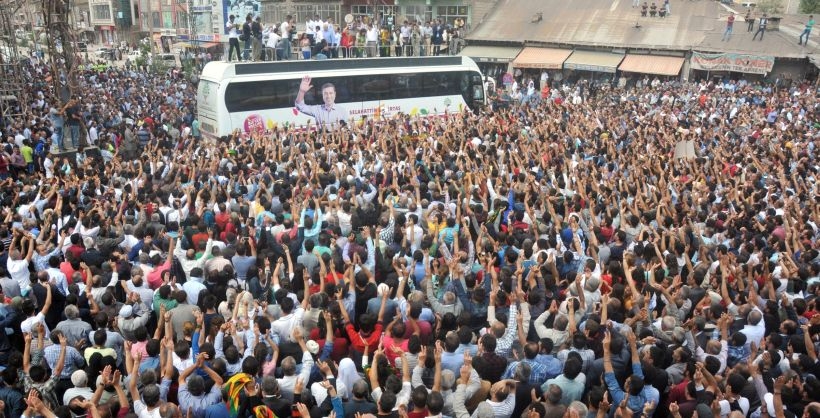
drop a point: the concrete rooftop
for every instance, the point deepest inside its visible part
(693, 25)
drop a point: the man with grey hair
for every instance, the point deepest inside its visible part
(449, 302)
(579, 408)
(74, 328)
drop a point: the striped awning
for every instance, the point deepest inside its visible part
(541, 58)
(652, 64)
(604, 62)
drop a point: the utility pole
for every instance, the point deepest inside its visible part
(150, 14)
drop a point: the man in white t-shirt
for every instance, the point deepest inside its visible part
(232, 28)
(32, 320)
(17, 265)
(285, 31)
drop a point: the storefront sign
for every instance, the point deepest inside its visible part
(201, 9)
(740, 63)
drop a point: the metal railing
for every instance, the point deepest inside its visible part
(358, 51)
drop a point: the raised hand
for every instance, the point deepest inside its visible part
(305, 85)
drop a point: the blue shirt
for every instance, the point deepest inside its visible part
(553, 365)
(217, 410)
(537, 376)
(199, 404)
(635, 403)
(452, 361)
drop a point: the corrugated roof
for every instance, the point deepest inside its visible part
(693, 25)
(651, 64)
(545, 58)
(490, 53)
(593, 61)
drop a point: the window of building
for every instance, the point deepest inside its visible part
(102, 12)
(168, 20)
(273, 13)
(418, 13)
(365, 10)
(156, 20)
(449, 14)
(182, 19)
(306, 12)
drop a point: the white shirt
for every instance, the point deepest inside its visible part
(142, 410)
(283, 326)
(48, 165)
(93, 136)
(231, 26)
(28, 324)
(372, 35)
(18, 270)
(192, 289)
(273, 39)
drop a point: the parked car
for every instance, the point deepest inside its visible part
(105, 53)
(133, 55)
(166, 57)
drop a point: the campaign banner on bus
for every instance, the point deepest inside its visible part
(739, 63)
(343, 113)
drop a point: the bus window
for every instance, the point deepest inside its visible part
(259, 95)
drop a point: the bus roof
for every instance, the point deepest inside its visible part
(217, 70)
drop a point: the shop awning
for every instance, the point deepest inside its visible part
(483, 53)
(814, 59)
(542, 58)
(205, 45)
(604, 62)
(651, 64)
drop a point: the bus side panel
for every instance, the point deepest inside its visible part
(262, 120)
(208, 109)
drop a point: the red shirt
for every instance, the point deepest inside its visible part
(222, 219)
(197, 238)
(358, 342)
(69, 271)
(154, 278)
(75, 250)
(425, 331)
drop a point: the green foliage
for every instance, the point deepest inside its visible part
(809, 6)
(770, 7)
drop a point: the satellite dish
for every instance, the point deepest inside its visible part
(348, 18)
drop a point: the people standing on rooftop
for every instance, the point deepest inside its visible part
(730, 21)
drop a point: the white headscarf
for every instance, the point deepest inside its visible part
(347, 375)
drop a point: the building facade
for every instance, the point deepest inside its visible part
(167, 22)
(103, 21)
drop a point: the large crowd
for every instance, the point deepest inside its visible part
(548, 258)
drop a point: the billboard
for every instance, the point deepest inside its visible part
(739, 63)
(240, 9)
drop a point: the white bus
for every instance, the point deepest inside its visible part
(258, 97)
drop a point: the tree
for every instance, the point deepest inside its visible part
(809, 6)
(770, 7)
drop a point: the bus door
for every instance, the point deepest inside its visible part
(475, 95)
